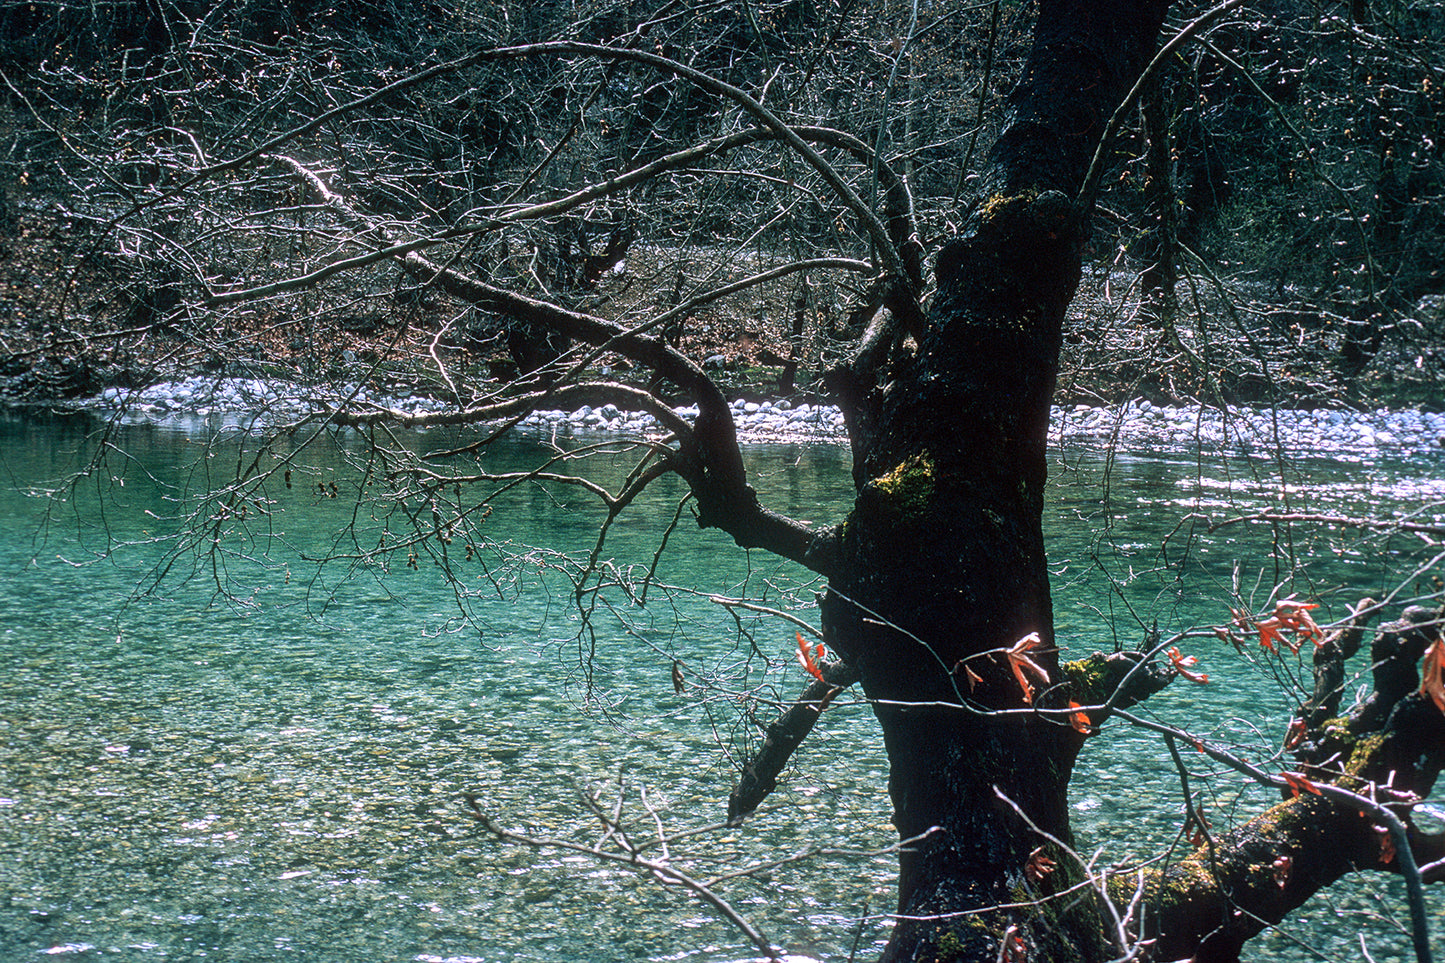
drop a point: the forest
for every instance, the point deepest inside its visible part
(948, 222)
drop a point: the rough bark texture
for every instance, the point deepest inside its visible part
(942, 562)
(939, 592)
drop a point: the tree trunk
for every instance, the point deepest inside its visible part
(942, 559)
(1161, 241)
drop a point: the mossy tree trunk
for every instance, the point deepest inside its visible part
(942, 565)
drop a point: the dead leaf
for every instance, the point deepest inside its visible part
(1387, 845)
(1023, 665)
(1298, 784)
(1038, 866)
(1432, 673)
(1182, 664)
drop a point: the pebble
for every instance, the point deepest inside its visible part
(200, 403)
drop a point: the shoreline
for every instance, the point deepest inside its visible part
(209, 403)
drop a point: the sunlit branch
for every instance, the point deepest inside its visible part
(1340, 520)
(759, 776)
(632, 857)
(898, 209)
(1399, 834)
(729, 603)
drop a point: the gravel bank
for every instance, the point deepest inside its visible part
(207, 403)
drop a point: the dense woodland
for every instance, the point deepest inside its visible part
(1264, 232)
(941, 217)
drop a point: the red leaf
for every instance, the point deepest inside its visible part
(1198, 828)
(969, 676)
(1038, 866)
(1014, 950)
(1020, 662)
(1182, 664)
(1298, 784)
(1290, 616)
(1296, 616)
(808, 661)
(1295, 734)
(1079, 719)
(1269, 634)
(1387, 845)
(973, 677)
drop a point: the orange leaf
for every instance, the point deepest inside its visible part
(1387, 845)
(1432, 673)
(1079, 719)
(1013, 950)
(1296, 615)
(1290, 616)
(806, 658)
(969, 676)
(1038, 866)
(1198, 828)
(1295, 734)
(1298, 784)
(1020, 662)
(1269, 633)
(1182, 664)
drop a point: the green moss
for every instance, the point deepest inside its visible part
(1360, 751)
(1002, 205)
(964, 937)
(950, 946)
(1184, 881)
(1091, 680)
(906, 491)
(1365, 753)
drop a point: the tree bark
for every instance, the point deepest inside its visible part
(942, 562)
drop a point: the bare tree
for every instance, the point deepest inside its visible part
(939, 601)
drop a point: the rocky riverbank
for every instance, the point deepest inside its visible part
(200, 404)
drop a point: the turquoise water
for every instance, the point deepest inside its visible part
(266, 760)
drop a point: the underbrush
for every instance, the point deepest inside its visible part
(76, 316)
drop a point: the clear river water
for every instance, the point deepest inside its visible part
(266, 760)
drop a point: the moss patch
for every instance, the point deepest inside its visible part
(906, 491)
(1090, 680)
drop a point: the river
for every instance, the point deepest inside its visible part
(267, 758)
